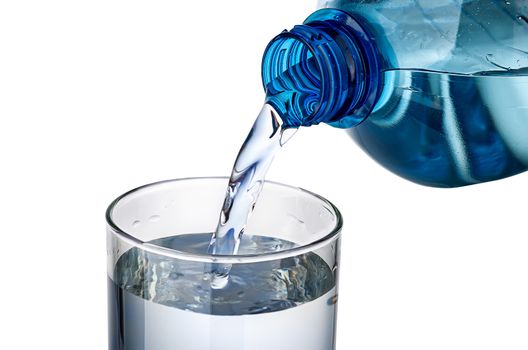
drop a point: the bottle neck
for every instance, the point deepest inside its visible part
(326, 70)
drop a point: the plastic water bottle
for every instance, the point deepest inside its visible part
(435, 91)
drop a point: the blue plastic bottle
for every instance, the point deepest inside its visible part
(435, 91)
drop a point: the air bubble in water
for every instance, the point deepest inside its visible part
(219, 280)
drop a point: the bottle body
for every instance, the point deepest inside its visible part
(453, 109)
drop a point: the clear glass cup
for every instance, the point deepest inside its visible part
(282, 287)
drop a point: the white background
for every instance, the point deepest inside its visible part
(98, 97)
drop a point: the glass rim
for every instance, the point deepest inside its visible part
(223, 259)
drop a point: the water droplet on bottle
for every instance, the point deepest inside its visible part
(136, 223)
(154, 218)
(411, 89)
(522, 18)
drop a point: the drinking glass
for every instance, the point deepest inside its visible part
(281, 291)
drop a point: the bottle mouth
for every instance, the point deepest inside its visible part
(325, 70)
(292, 77)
